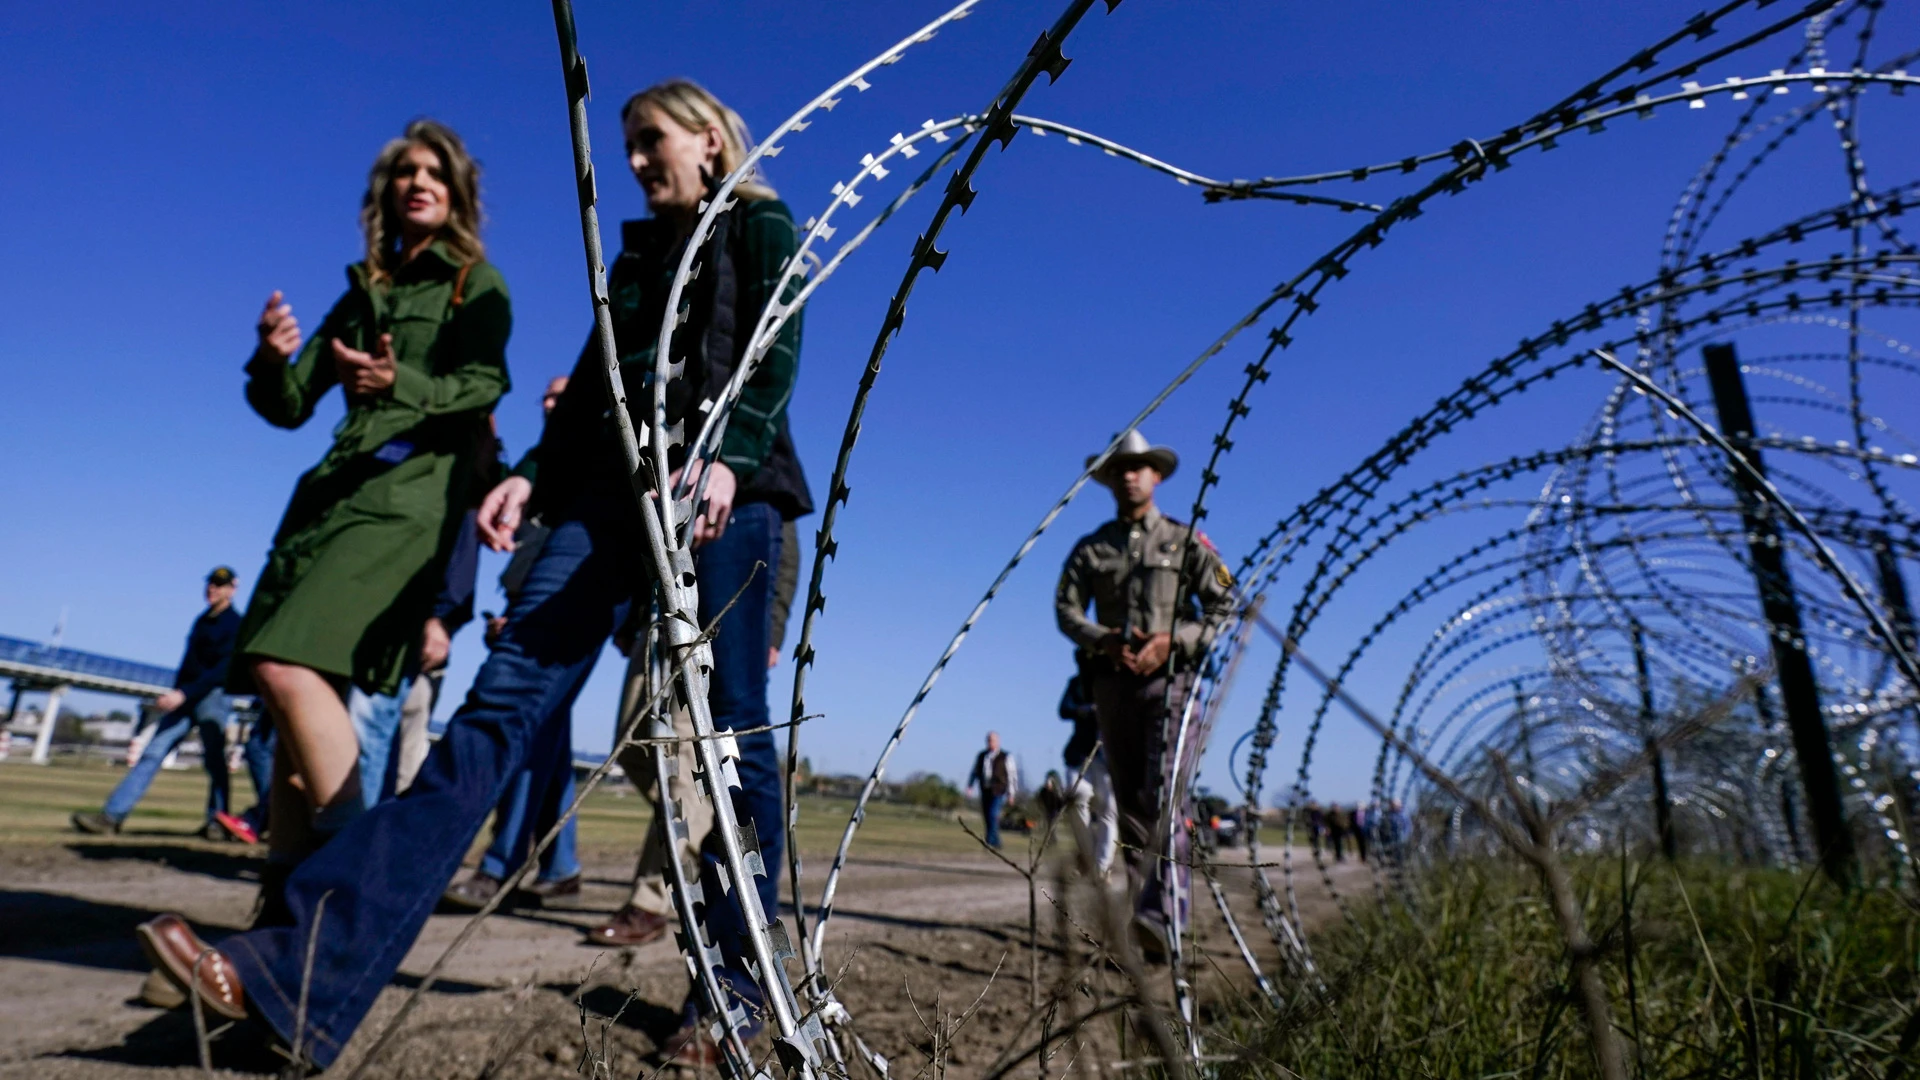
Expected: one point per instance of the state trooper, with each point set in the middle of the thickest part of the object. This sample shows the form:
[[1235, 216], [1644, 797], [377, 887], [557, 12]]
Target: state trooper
[[1159, 592]]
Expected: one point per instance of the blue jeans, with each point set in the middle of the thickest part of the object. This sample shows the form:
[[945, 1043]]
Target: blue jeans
[[375, 884], [991, 805], [376, 722], [257, 752], [515, 831], [210, 715]]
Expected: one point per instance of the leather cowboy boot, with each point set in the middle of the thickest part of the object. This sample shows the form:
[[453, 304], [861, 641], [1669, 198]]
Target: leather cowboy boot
[[192, 965]]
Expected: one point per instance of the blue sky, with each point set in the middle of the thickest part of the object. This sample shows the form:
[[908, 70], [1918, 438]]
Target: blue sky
[[169, 167]]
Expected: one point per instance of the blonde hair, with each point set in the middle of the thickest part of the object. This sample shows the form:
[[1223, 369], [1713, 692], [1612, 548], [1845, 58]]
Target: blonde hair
[[380, 219], [695, 109]]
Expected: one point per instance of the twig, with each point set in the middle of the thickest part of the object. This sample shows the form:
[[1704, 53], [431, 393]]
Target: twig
[[306, 976], [199, 1017], [1585, 976]]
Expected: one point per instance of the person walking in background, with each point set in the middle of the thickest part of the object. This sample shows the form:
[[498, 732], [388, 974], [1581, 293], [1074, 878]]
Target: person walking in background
[[1396, 829], [1156, 587], [1092, 790], [1362, 822], [198, 700], [1316, 826], [1339, 824], [256, 752], [376, 885], [417, 346], [452, 610], [996, 777]]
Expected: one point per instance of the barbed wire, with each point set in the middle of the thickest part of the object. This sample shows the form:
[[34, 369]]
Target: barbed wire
[[1641, 528]]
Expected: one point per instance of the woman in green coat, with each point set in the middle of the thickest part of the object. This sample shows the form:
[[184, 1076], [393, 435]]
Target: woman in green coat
[[417, 346]]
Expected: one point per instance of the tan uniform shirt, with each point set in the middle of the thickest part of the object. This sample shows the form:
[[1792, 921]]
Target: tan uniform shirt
[[1134, 573]]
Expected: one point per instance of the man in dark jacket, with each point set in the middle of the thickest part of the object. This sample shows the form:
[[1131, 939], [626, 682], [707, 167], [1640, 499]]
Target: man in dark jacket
[[198, 699]]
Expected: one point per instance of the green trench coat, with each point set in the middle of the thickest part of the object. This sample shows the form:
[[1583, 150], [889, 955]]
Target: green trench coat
[[362, 548]]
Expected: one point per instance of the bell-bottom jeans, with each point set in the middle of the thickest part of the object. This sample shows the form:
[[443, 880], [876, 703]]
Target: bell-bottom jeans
[[371, 888]]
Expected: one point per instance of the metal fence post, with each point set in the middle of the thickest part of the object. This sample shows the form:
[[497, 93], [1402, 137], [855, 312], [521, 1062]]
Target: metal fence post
[[1799, 693], [1662, 805]]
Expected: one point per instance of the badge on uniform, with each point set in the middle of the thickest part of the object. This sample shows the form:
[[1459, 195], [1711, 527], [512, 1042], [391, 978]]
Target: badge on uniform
[[1222, 575], [394, 452]]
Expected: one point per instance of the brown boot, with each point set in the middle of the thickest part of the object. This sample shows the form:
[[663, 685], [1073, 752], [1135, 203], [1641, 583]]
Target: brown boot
[[629, 926], [192, 965], [549, 890], [473, 893]]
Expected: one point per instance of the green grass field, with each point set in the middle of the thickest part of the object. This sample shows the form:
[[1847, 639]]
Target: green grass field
[[1713, 970], [36, 800]]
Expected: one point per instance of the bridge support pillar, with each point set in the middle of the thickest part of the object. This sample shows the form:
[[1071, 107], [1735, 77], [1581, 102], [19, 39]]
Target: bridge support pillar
[[43, 741], [6, 730]]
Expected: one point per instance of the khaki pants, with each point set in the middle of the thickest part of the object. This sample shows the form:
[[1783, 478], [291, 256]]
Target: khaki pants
[[1092, 799], [650, 892], [410, 744]]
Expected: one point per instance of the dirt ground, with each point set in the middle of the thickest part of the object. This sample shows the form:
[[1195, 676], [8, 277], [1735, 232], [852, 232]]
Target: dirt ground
[[917, 938]]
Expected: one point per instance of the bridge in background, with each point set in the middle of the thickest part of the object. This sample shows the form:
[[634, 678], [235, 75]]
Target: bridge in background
[[32, 666]]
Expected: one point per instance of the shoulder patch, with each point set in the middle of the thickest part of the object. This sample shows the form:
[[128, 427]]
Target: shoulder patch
[[1222, 575], [1201, 536]]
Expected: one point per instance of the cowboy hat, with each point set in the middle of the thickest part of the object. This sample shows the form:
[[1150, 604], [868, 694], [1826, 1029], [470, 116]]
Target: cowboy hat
[[1134, 448]]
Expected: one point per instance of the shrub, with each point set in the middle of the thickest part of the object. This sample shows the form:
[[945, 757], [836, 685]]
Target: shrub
[[930, 790]]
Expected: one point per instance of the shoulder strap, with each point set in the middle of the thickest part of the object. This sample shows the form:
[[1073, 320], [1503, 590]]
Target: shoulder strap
[[460, 284]]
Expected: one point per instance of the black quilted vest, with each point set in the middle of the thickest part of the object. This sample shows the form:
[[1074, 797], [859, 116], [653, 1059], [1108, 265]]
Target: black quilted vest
[[706, 352]]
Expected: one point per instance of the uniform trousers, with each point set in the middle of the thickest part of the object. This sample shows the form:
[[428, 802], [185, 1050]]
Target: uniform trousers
[[370, 890], [1136, 730]]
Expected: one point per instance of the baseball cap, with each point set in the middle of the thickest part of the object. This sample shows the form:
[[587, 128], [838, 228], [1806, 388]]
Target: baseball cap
[[221, 575]]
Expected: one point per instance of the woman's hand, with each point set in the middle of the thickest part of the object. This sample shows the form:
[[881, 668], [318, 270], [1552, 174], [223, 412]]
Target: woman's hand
[[365, 375], [499, 516], [713, 514], [279, 331]]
